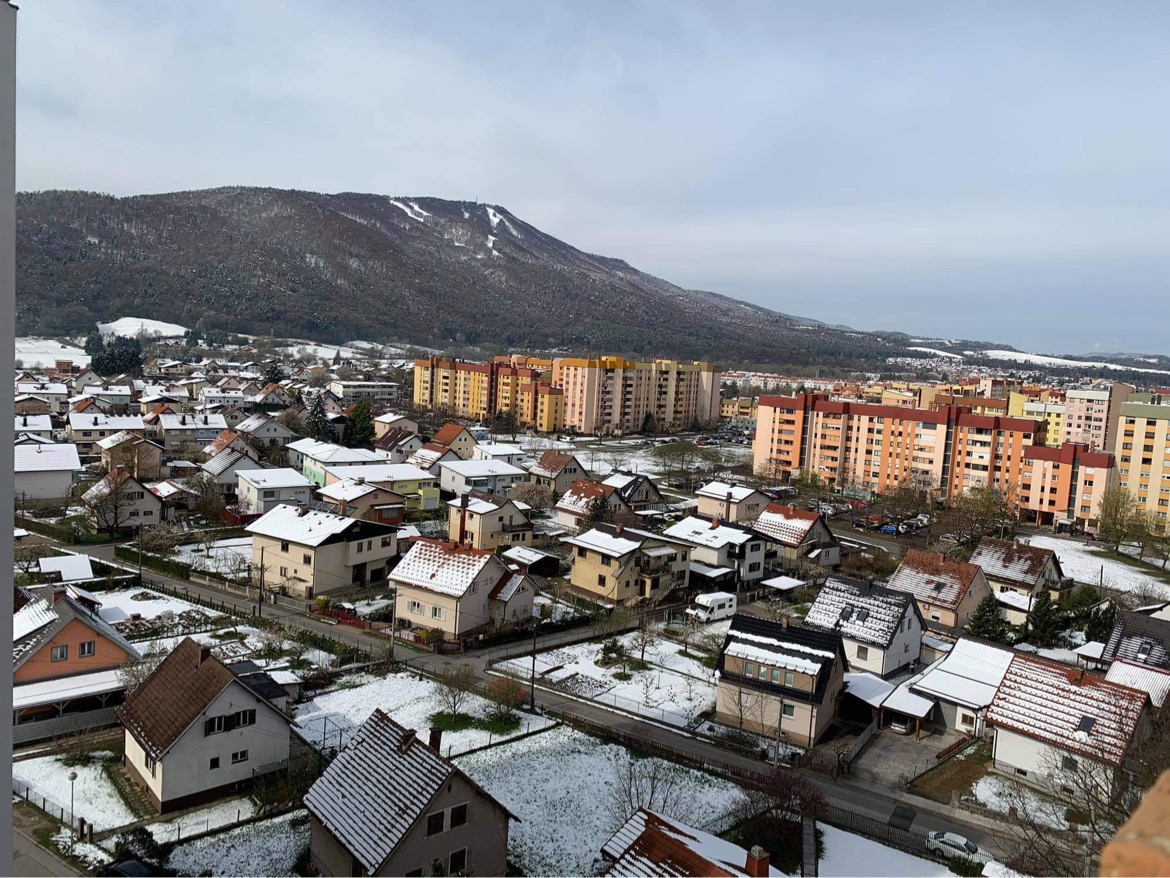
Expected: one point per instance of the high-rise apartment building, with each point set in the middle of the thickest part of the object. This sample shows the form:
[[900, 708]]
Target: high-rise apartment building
[[1090, 416], [1064, 486], [1143, 456]]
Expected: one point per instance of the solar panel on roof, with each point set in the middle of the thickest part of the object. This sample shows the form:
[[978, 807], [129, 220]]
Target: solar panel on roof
[[1086, 724]]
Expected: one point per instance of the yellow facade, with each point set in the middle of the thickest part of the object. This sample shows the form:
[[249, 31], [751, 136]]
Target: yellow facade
[[1143, 458]]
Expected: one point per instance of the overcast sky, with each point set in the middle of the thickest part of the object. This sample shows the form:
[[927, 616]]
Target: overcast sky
[[956, 169]]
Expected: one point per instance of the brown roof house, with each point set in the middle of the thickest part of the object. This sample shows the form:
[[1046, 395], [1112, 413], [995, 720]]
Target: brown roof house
[[1018, 567], [397, 444], [798, 535], [389, 804], [649, 845], [556, 470], [119, 502], [457, 438], [577, 503], [947, 591], [195, 730]]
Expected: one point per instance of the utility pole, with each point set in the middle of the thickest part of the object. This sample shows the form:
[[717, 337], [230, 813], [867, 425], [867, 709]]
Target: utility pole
[[393, 622], [260, 606], [140, 553], [532, 680]]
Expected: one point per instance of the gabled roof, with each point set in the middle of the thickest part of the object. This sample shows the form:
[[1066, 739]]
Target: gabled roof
[[39, 458], [1139, 638], [1155, 682], [393, 437], [175, 695], [1068, 709], [710, 532], [225, 460], [1009, 561], [348, 490], [430, 454], [802, 650], [934, 578], [192, 422], [168, 488], [378, 787], [90, 420], [449, 434], [582, 494], [552, 463], [628, 483], [441, 567], [482, 502], [33, 422], [968, 674], [861, 610], [278, 477], [308, 527], [471, 469], [105, 486], [617, 541], [720, 490], [786, 525], [39, 620], [649, 845], [381, 472], [220, 442]]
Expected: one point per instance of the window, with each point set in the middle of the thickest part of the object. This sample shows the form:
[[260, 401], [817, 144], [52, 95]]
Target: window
[[60, 653], [862, 653], [225, 723], [151, 766], [239, 756], [387, 541], [435, 823], [284, 546], [754, 567], [601, 579], [458, 815], [1068, 764], [789, 711], [966, 719], [214, 764], [749, 669], [268, 495], [458, 862], [359, 547], [87, 649], [788, 678], [775, 675], [416, 607], [1021, 772], [284, 571], [307, 559], [763, 673], [437, 613]]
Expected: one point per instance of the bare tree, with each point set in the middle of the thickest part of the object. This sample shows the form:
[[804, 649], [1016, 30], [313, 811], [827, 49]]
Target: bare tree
[[132, 674], [687, 633], [786, 794], [654, 784], [162, 539], [744, 703], [646, 636], [109, 511], [504, 696], [27, 556], [452, 685], [537, 496]]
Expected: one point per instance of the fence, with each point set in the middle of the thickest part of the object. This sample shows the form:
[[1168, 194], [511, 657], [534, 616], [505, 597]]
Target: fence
[[185, 594], [167, 567], [54, 809], [577, 635], [68, 724], [909, 840], [857, 746]]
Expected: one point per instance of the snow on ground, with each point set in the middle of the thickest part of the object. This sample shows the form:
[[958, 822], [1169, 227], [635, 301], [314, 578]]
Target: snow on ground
[[996, 794], [269, 847], [1042, 360], [365, 608], [413, 210], [847, 854], [1078, 561], [333, 717], [129, 327], [223, 556], [90, 854], [628, 455], [42, 353], [215, 816], [94, 796], [557, 611], [118, 606], [937, 353], [560, 784]]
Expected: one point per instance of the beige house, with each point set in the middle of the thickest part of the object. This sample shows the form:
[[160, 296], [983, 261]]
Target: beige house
[[488, 521], [457, 438], [458, 589], [389, 421], [557, 471], [389, 804], [577, 504], [141, 457], [797, 535], [947, 591], [771, 673], [617, 564], [730, 502], [370, 501], [309, 553]]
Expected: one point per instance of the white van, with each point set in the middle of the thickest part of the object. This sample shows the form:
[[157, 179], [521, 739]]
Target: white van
[[712, 607]]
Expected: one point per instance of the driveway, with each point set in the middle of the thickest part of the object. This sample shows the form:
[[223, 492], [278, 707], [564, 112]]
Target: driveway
[[889, 758]]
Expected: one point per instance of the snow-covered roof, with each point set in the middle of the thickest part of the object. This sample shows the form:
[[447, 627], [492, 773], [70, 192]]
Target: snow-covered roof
[[969, 674], [65, 688], [786, 525], [582, 494], [73, 568], [784, 583], [381, 472], [427, 456], [860, 610], [445, 568], [91, 420], [347, 490], [41, 458], [33, 616], [933, 578], [551, 463], [1015, 600], [1068, 709], [479, 504], [328, 454], [253, 422], [794, 648], [720, 490], [497, 449], [649, 845], [1139, 638], [1153, 681], [391, 418], [1009, 561], [192, 422], [611, 541], [470, 469], [33, 423], [710, 572], [903, 700], [116, 439], [712, 533], [527, 555], [619, 479], [166, 489], [280, 477], [296, 524], [871, 689]]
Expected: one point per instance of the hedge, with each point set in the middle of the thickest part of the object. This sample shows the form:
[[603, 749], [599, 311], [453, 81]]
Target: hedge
[[154, 562]]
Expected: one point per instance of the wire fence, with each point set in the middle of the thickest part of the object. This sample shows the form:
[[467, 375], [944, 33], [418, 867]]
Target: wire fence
[[53, 808]]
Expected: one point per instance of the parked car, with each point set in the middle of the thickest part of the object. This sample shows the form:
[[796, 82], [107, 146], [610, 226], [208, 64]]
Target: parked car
[[902, 726], [951, 844], [857, 504], [889, 529]]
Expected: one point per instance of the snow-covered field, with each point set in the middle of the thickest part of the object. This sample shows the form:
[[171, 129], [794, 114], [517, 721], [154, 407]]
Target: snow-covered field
[[1042, 360], [129, 327], [938, 353], [334, 716], [215, 816], [560, 784], [94, 797], [268, 847], [606, 457], [674, 690], [1078, 561], [119, 605], [225, 557], [42, 353], [999, 794], [847, 855]]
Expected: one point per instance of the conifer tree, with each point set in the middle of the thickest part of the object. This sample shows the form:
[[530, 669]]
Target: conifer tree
[[987, 623]]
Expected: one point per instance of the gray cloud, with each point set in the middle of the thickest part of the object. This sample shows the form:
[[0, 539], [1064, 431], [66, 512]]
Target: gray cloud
[[987, 170]]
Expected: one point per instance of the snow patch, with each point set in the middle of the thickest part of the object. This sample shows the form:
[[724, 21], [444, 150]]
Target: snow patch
[[129, 327], [43, 353], [1042, 360], [412, 210], [937, 352]]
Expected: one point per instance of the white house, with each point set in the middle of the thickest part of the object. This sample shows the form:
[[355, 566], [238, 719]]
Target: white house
[[40, 426], [196, 731], [44, 472], [721, 548], [259, 490], [489, 476], [730, 502], [397, 444], [86, 428], [265, 430], [120, 502], [226, 466], [500, 451], [881, 628], [176, 431], [55, 394]]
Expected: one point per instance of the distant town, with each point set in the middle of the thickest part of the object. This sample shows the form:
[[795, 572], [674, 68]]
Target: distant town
[[288, 607]]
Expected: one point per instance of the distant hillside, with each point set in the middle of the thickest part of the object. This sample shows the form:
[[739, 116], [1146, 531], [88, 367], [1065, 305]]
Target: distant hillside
[[420, 270]]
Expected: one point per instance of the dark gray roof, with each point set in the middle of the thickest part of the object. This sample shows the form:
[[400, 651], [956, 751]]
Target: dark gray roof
[[1140, 639], [787, 643]]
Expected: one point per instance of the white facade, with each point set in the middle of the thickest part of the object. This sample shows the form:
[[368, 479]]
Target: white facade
[[1022, 756], [906, 647], [489, 476], [375, 391], [261, 490]]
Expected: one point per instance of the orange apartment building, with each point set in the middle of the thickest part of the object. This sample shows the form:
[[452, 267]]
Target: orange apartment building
[[480, 390], [1064, 486]]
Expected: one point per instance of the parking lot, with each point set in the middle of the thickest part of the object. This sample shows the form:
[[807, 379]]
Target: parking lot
[[888, 759]]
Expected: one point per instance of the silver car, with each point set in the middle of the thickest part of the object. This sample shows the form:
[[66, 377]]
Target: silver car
[[950, 844]]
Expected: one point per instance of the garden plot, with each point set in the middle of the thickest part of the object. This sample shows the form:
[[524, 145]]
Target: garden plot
[[223, 557], [238, 642], [120, 607], [268, 847], [1079, 561], [669, 695], [94, 796], [330, 719], [89, 854], [560, 784]]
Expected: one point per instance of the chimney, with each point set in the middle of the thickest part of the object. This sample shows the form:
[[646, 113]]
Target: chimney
[[407, 740], [25, 421], [58, 593], [95, 420], [436, 739], [617, 528], [204, 654], [757, 862], [302, 511], [205, 419], [183, 420], [462, 519], [729, 502], [784, 621], [1077, 676]]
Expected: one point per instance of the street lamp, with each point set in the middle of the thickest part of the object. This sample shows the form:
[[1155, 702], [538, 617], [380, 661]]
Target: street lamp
[[72, 823]]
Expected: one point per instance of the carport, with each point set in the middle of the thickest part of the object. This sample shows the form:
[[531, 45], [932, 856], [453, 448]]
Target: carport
[[904, 702]]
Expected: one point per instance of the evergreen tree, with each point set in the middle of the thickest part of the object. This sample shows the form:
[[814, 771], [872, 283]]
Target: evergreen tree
[[1100, 624], [317, 424], [122, 356], [987, 623], [273, 374], [361, 428], [94, 344], [1045, 622]]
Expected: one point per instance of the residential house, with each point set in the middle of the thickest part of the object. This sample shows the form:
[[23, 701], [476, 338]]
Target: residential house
[[313, 458], [390, 804], [431, 456], [86, 428], [44, 471], [487, 521], [226, 467], [947, 591], [650, 845], [310, 553], [1139, 638], [881, 628], [577, 504], [226, 397], [490, 476], [260, 490], [389, 421], [234, 441], [722, 552], [730, 502], [141, 456], [265, 431], [378, 393], [397, 444], [177, 431], [417, 486], [1049, 718], [457, 438], [271, 396], [640, 494], [53, 393], [619, 564], [196, 731], [557, 471], [119, 502], [176, 497], [798, 536], [1018, 567], [779, 680], [956, 690], [1155, 682], [500, 451], [458, 589], [371, 501], [40, 426], [27, 404]]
